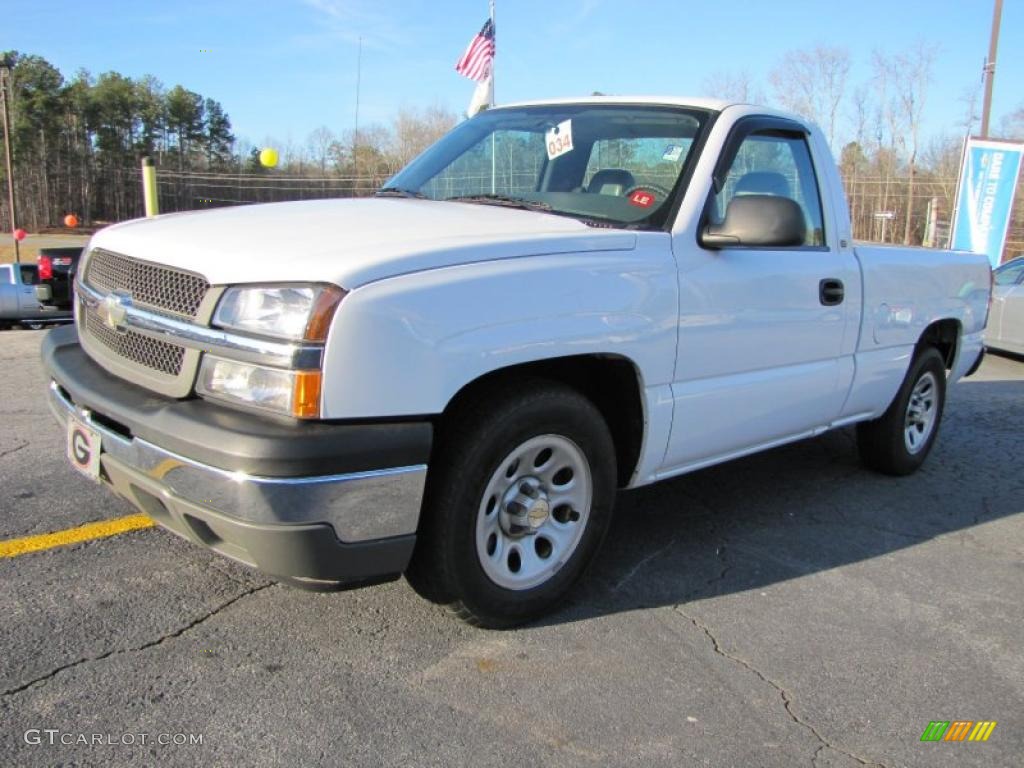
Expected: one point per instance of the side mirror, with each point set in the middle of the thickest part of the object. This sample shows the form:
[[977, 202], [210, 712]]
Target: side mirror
[[762, 221]]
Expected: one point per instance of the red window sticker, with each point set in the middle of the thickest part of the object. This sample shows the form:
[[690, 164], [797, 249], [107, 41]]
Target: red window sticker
[[642, 198]]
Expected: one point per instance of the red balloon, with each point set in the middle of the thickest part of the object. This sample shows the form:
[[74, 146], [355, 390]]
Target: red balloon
[[20, 234], [71, 220]]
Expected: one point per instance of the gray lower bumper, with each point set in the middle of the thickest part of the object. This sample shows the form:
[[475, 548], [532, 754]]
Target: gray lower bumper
[[359, 506], [306, 555]]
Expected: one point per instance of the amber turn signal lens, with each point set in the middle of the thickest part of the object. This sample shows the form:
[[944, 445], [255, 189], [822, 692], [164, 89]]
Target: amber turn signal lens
[[323, 312], [306, 394]]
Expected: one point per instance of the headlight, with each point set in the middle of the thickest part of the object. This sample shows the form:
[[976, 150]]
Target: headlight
[[298, 312], [292, 393]]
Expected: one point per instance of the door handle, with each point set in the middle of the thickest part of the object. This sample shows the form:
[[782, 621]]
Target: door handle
[[831, 292]]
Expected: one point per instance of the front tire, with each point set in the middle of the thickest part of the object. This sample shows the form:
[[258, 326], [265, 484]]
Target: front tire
[[899, 441], [519, 498]]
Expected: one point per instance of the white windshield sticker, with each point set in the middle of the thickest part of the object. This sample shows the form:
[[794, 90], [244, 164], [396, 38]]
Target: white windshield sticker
[[559, 139], [672, 153]]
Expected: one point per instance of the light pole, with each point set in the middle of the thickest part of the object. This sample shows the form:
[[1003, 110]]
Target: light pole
[[990, 67], [5, 80], [355, 133]]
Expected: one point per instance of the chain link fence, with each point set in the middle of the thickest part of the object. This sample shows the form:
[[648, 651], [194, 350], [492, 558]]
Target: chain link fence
[[878, 205]]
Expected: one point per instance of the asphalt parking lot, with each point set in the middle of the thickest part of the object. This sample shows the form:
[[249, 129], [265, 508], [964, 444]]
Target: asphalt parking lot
[[787, 609]]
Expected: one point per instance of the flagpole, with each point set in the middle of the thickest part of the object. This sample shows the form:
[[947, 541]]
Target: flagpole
[[494, 60], [355, 134], [494, 149]]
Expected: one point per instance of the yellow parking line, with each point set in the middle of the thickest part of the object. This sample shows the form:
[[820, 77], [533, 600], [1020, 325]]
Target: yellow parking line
[[87, 532]]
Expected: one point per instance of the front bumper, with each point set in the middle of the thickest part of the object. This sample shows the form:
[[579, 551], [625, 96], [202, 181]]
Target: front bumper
[[321, 504]]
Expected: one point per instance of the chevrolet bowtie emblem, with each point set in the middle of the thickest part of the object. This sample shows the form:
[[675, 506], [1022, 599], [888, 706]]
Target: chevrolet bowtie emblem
[[113, 309]]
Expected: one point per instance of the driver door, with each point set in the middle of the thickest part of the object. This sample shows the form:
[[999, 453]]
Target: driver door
[[760, 353]]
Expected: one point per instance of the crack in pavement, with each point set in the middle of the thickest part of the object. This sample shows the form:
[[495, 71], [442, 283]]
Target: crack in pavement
[[15, 449], [145, 646], [636, 568], [817, 753], [787, 699]]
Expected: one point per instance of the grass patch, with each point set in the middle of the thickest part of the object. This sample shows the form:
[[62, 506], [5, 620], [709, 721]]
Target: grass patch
[[30, 245]]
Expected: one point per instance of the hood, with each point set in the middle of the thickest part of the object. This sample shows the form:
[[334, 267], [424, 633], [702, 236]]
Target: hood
[[348, 242]]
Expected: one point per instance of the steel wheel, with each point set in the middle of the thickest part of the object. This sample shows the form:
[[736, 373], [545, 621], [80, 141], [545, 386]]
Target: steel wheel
[[899, 440], [518, 500], [922, 408], [533, 512]]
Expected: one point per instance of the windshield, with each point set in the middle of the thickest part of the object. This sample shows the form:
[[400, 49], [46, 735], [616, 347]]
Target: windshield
[[620, 165]]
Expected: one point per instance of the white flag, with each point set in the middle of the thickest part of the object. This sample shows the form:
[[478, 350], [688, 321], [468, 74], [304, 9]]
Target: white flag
[[483, 96]]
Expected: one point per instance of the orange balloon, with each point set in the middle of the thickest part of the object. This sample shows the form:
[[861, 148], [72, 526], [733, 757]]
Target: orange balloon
[[71, 220], [20, 234]]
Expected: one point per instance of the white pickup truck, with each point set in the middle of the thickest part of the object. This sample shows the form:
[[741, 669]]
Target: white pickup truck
[[451, 380]]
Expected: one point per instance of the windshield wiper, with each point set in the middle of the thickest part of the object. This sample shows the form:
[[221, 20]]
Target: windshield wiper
[[502, 200], [399, 192]]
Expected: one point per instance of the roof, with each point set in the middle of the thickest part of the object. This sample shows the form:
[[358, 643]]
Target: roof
[[674, 101], [715, 105]]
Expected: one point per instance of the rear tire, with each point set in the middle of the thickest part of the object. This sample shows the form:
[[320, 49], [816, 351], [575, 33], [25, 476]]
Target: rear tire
[[519, 497], [898, 442]]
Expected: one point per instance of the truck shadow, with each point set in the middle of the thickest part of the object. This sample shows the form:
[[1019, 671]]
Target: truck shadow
[[805, 508]]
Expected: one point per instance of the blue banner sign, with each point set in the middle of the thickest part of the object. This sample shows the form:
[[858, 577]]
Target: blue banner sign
[[984, 201]]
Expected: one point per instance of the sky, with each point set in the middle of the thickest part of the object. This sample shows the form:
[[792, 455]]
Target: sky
[[283, 68]]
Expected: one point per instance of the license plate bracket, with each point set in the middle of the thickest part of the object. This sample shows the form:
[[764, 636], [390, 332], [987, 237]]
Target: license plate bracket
[[84, 446]]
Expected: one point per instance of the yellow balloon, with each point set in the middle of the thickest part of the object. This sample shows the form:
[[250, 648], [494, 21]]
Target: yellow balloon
[[268, 157]]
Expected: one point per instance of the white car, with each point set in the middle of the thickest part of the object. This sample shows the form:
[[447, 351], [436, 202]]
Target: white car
[[1006, 323], [452, 379]]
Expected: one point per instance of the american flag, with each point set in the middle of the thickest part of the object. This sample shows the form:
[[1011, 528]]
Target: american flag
[[479, 56]]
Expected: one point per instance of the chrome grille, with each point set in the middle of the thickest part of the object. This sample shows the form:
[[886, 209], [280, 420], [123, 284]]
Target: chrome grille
[[151, 353], [159, 287]]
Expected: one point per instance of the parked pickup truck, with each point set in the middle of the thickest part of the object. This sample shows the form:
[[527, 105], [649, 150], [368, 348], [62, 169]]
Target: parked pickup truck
[[451, 380], [18, 302], [57, 268]]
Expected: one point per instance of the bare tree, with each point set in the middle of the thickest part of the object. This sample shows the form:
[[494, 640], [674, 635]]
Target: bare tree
[[940, 159], [854, 159], [739, 85], [1012, 125], [860, 114], [910, 74], [364, 158], [889, 134], [969, 98], [413, 130], [318, 147], [812, 83], [290, 156]]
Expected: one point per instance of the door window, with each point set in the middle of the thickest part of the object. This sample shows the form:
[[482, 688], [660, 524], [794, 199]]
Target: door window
[[770, 163]]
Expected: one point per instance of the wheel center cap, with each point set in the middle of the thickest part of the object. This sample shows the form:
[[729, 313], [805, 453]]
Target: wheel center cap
[[525, 507], [538, 513]]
